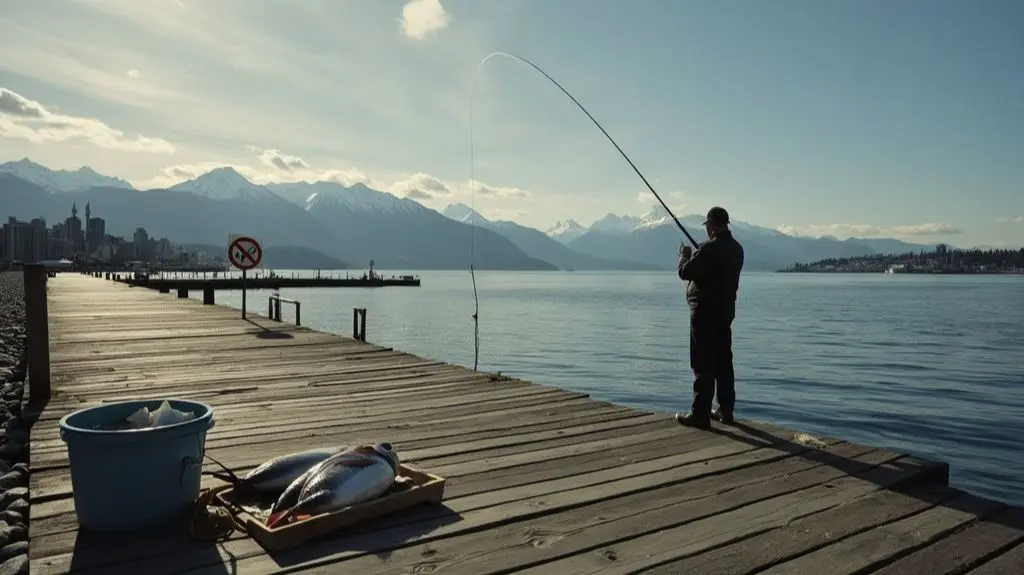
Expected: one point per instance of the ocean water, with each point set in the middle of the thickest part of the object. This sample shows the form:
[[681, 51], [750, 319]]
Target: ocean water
[[928, 365]]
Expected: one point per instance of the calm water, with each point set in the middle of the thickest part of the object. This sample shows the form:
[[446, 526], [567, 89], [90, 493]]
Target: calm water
[[932, 366]]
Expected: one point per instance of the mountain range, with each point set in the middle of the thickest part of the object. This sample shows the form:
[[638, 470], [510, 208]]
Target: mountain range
[[356, 223]]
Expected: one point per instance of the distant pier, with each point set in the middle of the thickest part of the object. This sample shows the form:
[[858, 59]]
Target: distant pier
[[235, 283]]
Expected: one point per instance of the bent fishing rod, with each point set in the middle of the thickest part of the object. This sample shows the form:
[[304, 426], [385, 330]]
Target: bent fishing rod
[[596, 123], [472, 169]]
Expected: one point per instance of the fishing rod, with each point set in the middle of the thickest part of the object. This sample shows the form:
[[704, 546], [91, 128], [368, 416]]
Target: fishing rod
[[472, 169]]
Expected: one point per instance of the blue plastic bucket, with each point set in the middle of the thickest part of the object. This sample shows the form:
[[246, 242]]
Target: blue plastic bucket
[[133, 478]]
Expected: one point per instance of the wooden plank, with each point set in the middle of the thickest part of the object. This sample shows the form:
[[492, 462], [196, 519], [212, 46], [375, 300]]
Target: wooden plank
[[646, 551], [880, 546], [467, 478], [56, 482], [524, 499], [564, 533], [809, 533], [1009, 563], [982, 541], [139, 547], [496, 513]]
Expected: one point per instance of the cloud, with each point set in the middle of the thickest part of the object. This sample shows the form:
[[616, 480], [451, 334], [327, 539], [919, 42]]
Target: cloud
[[272, 166], [25, 119], [421, 187], [420, 18], [133, 73], [868, 230], [486, 190], [1005, 220]]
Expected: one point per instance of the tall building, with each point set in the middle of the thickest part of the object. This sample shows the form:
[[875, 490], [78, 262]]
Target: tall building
[[95, 231], [24, 241], [73, 228]]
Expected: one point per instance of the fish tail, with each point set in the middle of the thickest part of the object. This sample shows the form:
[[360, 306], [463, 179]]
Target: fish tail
[[227, 476]]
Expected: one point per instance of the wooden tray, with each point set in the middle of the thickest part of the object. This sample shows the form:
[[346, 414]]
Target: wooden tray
[[427, 488]]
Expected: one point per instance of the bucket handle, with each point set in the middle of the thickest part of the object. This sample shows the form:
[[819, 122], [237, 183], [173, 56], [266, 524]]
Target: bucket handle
[[187, 462]]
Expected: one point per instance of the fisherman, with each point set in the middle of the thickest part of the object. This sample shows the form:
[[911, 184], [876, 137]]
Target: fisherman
[[713, 273]]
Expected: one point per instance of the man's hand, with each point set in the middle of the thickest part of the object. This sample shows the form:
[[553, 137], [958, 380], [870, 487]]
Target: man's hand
[[685, 252]]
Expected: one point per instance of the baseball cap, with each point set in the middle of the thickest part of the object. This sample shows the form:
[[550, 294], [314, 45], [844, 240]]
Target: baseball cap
[[717, 215]]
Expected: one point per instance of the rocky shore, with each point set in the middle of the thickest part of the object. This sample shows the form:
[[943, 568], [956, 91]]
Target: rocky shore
[[14, 471]]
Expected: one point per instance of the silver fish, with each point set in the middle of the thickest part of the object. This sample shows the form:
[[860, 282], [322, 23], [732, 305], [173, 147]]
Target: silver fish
[[354, 476], [290, 496], [278, 473]]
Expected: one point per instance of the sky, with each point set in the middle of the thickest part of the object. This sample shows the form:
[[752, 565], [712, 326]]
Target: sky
[[845, 118]]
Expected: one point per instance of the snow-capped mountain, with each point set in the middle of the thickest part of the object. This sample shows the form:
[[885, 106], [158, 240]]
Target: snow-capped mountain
[[55, 181], [226, 184], [462, 213], [331, 195], [614, 224], [566, 231]]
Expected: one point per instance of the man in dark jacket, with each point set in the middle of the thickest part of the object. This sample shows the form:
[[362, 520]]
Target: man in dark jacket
[[713, 273]]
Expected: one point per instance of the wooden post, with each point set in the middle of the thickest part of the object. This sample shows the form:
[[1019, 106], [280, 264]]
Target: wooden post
[[208, 295], [298, 314], [243, 294], [277, 308], [362, 324], [355, 323], [37, 332], [182, 293], [270, 307]]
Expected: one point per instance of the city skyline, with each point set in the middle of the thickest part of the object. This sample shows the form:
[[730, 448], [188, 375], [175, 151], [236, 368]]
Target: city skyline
[[33, 241], [851, 117]]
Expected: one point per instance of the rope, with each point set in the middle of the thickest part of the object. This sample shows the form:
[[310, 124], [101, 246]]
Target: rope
[[212, 519]]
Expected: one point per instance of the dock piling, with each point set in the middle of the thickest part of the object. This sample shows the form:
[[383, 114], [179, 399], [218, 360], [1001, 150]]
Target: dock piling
[[359, 323], [37, 334]]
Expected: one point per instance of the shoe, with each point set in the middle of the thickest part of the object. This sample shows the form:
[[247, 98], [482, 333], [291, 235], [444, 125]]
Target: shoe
[[692, 420], [724, 417]]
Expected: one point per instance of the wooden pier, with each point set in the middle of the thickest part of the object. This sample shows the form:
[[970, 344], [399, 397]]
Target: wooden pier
[[541, 480], [235, 283]]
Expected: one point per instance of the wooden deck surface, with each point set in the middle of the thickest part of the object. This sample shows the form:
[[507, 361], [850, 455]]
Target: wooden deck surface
[[541, 480]]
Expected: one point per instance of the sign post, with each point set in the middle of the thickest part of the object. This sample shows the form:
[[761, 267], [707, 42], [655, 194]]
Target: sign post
[[244, 253]]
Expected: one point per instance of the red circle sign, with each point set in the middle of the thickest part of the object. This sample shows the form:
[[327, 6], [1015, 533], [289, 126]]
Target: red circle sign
[[245, 253]]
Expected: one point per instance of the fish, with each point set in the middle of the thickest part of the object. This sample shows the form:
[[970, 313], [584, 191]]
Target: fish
[[356, 475], [277, 474]]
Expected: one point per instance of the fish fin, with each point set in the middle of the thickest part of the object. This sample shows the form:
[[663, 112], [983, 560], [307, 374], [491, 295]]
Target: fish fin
[[226, 478], [355, 462]]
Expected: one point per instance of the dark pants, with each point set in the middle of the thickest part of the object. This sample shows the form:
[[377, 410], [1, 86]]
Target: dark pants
[[711, 362]]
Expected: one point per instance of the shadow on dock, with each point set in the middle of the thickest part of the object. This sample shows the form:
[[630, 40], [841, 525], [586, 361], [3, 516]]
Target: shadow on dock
[[925, 480], [267, 333]]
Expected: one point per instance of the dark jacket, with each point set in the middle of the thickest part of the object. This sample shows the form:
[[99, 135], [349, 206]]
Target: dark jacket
[[714, 275]]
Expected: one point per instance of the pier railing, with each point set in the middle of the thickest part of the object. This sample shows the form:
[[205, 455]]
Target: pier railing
[[274, 308]]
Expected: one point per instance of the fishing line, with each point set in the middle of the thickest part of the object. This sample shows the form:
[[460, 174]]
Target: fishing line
[[472, 182]]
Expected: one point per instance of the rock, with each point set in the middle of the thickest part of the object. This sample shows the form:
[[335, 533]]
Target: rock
[[13, 479], [12, 549], [20, 468], [12, 495], [6, 533], [13, 516], [19, 506], [17, 565]]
